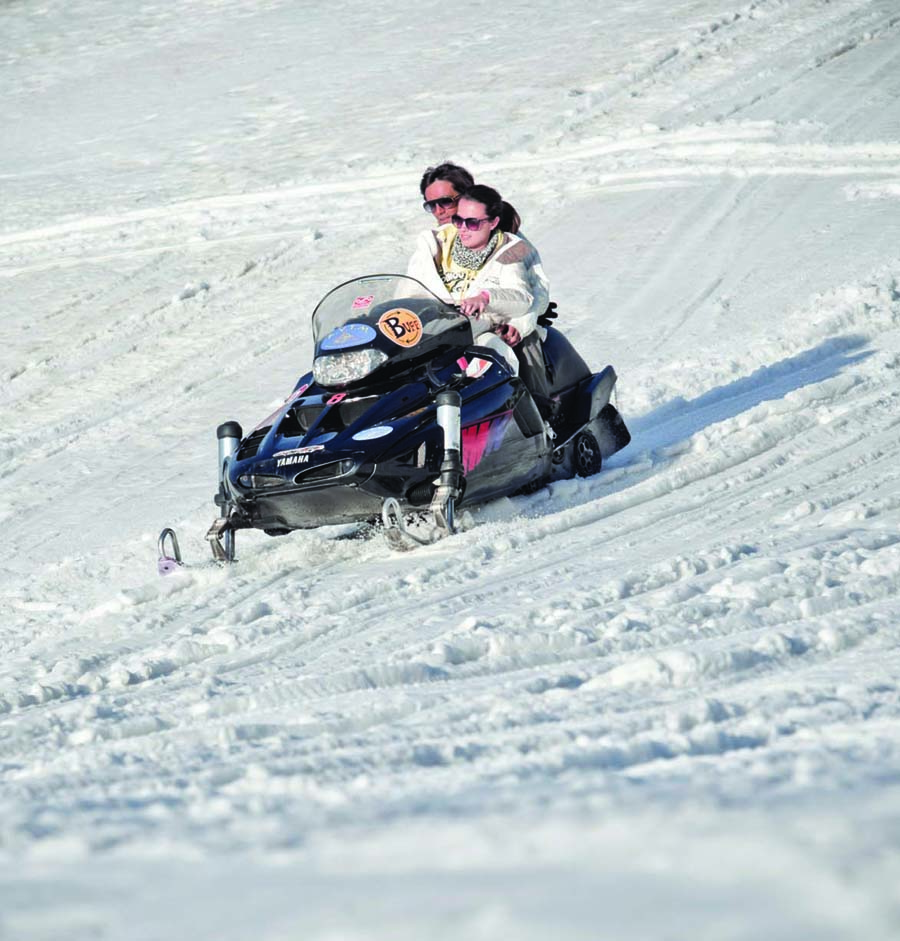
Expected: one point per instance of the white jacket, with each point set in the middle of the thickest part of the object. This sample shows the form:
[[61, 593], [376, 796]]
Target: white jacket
[[512, 276]]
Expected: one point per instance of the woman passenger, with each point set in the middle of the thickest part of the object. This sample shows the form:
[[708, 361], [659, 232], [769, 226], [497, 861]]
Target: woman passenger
[[478, 263]]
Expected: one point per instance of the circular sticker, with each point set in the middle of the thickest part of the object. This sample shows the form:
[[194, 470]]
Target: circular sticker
[[402, 326], [367, 434], [350, 334]]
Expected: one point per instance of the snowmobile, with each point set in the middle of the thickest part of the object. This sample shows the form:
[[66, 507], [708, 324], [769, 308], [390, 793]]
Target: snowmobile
[[405, 420]]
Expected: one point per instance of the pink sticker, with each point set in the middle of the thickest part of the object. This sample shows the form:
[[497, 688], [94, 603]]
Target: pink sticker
[[483, 438], [268, 420], [337, 397], [364, 300], [478, 367]]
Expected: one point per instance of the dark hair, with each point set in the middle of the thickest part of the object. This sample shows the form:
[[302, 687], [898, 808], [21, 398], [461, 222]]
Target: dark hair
[[494, 205], [451, 172]]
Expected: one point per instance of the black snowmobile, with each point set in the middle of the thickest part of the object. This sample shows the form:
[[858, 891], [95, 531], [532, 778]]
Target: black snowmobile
[[405, 418]]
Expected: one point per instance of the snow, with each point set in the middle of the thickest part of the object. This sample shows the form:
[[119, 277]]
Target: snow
[[658, 703]]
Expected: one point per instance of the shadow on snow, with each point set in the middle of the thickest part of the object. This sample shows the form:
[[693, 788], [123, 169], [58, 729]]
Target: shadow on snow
[[680, 419]]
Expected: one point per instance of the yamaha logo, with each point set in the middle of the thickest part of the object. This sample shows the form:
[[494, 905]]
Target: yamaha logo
[[293, 459]]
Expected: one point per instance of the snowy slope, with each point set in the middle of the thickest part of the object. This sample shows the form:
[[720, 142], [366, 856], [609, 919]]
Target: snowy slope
[[659, 703]]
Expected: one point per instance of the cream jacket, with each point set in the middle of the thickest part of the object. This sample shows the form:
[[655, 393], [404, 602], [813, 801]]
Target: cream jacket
[[512, 276]]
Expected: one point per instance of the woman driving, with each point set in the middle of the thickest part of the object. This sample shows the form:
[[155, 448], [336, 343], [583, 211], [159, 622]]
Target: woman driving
[[478, 263]]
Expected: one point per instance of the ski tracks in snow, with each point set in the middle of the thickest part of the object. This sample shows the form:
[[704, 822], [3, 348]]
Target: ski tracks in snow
[[713, 614], [529, 636], [652, 156]]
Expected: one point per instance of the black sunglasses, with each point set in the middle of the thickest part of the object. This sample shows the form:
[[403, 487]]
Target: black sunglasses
[[473, 225], [443, 202]]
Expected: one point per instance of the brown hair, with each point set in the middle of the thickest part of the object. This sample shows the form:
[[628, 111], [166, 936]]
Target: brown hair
[[494, 205], [451, 172]]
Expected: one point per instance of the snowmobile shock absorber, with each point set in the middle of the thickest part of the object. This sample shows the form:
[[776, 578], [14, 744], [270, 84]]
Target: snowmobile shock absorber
[[229, 435], [221, 534], [448, 418]]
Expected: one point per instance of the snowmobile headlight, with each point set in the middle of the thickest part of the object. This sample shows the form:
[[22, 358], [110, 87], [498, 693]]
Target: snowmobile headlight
[[260, 481], [342, 368]]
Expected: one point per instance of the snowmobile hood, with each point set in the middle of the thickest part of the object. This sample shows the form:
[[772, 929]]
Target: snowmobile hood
[[380, 322]]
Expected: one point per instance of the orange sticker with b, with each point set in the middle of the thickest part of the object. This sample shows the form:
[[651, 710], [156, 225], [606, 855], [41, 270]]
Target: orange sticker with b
[[402, 326]]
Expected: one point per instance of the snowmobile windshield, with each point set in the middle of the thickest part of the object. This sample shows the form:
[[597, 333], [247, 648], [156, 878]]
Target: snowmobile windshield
[[391, 305], [385, 320]]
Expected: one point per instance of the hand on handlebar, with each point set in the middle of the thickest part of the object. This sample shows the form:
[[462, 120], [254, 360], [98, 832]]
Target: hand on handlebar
[[508, 333], [474, 305]]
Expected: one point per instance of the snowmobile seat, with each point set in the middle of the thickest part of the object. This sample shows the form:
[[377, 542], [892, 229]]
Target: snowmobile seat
[[565, 367]]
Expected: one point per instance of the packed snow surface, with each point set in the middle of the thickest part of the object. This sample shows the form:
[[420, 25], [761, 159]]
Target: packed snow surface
[[659, 703]]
